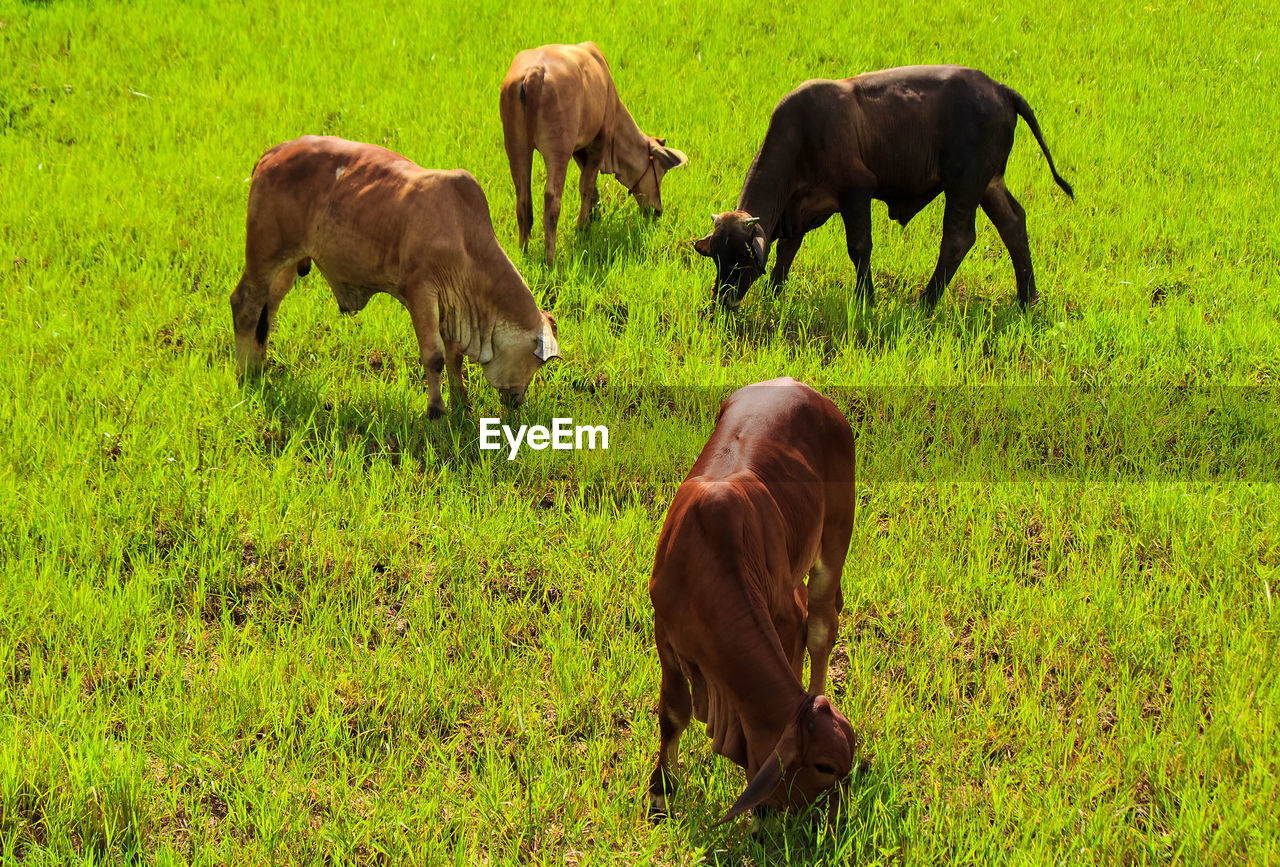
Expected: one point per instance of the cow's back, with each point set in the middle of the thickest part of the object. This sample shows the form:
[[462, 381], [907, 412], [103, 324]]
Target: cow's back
[[784, 431], [753, 506], [913, 120], [577, 94], [368, 216], [311, 169], [892, 128]]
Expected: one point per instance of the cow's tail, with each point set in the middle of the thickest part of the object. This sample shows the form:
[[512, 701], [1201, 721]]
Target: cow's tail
[[531, 98], [1023, 108], [522, 96]]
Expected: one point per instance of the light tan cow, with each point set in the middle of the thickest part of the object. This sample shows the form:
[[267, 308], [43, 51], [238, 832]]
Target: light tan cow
[[561, 101], [373, 221]]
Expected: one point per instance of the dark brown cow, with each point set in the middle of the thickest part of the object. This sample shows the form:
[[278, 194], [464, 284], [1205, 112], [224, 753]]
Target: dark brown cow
[[901, 136], [770, 499], [560, 100], [373, 222]]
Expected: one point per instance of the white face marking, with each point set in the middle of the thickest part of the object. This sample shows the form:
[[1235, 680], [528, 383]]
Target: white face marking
[[337, 176]]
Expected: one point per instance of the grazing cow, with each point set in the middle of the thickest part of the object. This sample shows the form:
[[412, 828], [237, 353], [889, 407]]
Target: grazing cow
[[561, 101], [373, 221], [901, 136], [770, 499]]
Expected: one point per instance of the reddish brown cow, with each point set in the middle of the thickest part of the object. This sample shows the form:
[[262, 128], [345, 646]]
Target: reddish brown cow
[[373, 222], [560, 100], [769, 500]]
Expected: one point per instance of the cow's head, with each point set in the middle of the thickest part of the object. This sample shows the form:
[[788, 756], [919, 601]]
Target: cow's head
[[645, 168], [740, 248], [517, 355], [812, 757]]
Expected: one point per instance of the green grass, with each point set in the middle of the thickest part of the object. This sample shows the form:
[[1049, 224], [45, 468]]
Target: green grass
[[292, 620]]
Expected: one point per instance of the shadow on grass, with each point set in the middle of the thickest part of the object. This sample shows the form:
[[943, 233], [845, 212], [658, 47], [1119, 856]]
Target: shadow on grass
[[615, 235], [871, 826], [834, 316], [394, 429]]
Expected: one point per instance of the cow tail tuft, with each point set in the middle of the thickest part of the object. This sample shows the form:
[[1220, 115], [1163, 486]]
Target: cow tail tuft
[[1023, 108]]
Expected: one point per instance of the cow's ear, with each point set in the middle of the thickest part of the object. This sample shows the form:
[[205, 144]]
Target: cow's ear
[[669, 158], [703, 245], [768, 777], [547, 346]]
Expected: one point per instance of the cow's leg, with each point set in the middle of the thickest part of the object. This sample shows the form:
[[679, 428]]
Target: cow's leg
[[557, 168], [674, 710], [825, 604], [958, 236], [254, 303], [520, 159], [280, 286], [457, 385], [784, 254], [800, 629], [424, 311], [249, 318], [856, 213], [826, 600], [589, 162], [1011, 222]]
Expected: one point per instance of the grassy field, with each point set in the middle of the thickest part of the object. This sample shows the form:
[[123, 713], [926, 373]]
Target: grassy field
[[290, 619]]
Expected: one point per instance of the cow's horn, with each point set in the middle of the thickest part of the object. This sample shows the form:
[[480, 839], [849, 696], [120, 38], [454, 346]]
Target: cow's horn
[[750, 221]]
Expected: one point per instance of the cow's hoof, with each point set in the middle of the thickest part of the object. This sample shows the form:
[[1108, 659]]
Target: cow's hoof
[[435, 411], [657, 808]]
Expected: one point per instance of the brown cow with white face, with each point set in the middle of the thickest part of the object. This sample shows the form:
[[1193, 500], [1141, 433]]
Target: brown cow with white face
[[769, 500], [373, 221], [899, 135], [560, 100]]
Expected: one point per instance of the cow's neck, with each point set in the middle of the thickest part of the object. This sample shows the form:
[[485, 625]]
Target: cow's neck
[[471, 313], [768, 183], [764, 687], [768, 695], [629, 147]]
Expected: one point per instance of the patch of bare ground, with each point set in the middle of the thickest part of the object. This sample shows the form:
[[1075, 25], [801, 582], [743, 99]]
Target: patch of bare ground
[[167, 338]]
